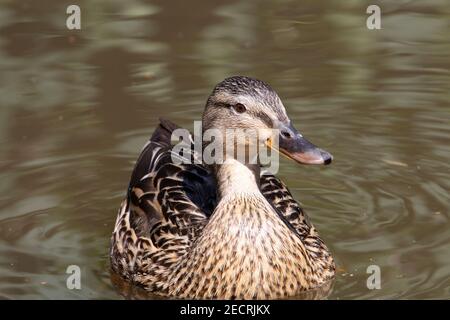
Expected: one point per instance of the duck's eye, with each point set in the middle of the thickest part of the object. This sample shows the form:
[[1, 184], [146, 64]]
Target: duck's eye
[[240, 108]]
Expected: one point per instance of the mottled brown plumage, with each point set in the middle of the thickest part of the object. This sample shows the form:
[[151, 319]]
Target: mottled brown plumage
[[226, 231]]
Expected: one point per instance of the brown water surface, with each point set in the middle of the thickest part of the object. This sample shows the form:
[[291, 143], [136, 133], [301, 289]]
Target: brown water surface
[[77, 106]]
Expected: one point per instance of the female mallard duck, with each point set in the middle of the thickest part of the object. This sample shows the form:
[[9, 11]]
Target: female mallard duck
[[225, 230]]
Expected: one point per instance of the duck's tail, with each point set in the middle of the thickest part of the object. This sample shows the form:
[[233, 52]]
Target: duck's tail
[[163, 132]]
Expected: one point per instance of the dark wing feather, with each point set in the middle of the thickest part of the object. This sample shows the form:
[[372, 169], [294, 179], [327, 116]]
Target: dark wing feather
[[281, 198], [158, 144], [176, 194]]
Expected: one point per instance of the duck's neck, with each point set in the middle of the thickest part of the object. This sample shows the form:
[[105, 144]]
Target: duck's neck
[[236, 178], [245, 250]]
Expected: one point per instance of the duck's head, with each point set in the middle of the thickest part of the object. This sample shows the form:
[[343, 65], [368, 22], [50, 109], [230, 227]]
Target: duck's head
[[244, 103]]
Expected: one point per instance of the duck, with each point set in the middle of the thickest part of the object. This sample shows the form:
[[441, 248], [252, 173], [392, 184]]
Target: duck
[[223, 230]]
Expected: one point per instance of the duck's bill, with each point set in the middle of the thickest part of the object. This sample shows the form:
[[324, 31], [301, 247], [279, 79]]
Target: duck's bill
[[294, 146]]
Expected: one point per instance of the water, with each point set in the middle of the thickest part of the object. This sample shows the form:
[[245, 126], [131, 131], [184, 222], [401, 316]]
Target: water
[[77, 106]]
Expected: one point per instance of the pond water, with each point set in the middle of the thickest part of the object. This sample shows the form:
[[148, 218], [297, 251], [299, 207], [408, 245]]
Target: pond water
[[77, 106]]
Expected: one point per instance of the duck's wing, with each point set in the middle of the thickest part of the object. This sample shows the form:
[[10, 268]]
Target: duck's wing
[[167, 204], [281, 198]]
